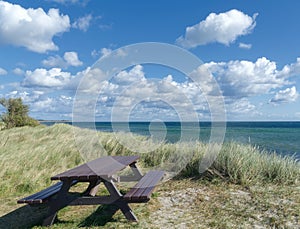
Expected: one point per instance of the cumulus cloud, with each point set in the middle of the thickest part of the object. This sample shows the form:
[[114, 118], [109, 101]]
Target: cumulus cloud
[[69, 59], [285, 96], [72, 59], [47, 78], [245, 46], [245, 78], [240, 81], [131, 89], [291, 69], [18, 71], [55, 61], [68, 2], [223, 28], [240, 106], [136, 74], [33, 29], [102, 52], [2, 72], [65, 1], [83, 23], [107, 51]]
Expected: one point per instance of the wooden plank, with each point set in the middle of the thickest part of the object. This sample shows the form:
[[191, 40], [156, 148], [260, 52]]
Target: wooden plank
[[152, 184], [104, 166], [94, 200], [111, 165], [136, 187], [144, 188], [147, 187], [41, 196]]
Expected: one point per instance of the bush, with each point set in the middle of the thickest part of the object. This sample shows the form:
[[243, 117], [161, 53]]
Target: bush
[[17, 114]]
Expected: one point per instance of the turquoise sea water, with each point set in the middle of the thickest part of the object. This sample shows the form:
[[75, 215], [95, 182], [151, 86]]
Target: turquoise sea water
[[282, 137]]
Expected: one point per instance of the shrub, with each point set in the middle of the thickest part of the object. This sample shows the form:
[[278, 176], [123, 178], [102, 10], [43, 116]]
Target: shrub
[[17, 113]]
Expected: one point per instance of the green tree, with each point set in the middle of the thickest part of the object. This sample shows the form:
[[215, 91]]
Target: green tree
[[17, 113]]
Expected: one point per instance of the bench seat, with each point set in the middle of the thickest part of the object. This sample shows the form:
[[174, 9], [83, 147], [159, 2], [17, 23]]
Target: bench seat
[[43, 196], [141, 192]]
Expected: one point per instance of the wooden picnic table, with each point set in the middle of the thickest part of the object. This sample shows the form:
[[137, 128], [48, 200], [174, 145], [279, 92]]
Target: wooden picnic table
[[102, 170]]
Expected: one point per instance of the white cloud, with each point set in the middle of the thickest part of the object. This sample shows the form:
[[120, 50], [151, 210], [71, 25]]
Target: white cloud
[[240, 106], [47, 78], [103, 52], [2, 71], [69, 59], [107, 51], [31, 28], [163, 97], [245, 46], [106, 26], [285, 96], [154, 97], [55, 61], [72, 59], [18, 71], [224, 28], [291, 69], [83, 23], [136, 74], [65, 1], [95, 53], [46, 104], [246, 78], [68, 2]]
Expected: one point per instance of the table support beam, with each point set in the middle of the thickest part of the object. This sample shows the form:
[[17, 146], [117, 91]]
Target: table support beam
[[137, 174]]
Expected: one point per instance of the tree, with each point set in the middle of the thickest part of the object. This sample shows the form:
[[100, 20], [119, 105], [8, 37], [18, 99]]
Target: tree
[[17, 113]]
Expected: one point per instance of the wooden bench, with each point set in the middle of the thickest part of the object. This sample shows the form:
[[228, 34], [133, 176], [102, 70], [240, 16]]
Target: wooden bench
[[44, 195], [142, 191]]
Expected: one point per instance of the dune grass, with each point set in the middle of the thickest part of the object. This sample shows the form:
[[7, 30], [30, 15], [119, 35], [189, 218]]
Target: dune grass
[[29, 156]]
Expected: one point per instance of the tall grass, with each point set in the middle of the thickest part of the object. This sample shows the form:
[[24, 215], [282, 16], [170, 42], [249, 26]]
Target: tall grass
[[237, 163], [29, 156], [246, 164]]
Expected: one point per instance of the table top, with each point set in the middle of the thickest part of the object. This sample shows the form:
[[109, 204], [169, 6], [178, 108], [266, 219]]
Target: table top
[[103, 167]]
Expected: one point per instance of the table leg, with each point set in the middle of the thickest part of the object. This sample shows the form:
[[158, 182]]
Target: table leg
[[126, 210], [124, 207], [137, 174], [93, 187], [136, 171], [60, 202]]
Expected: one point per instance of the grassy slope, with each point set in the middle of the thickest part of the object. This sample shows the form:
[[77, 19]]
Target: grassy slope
[[29, 156]]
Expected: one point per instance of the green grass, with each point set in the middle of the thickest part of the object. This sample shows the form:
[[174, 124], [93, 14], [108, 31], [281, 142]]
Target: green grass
[[30, 156]]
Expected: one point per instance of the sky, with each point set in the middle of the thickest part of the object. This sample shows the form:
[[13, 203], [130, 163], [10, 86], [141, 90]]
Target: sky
[[250, 48]]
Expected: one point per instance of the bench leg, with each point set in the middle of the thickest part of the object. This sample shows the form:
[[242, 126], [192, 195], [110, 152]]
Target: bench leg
[[60, 202]]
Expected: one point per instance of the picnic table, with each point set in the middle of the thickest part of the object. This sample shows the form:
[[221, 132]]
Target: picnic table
[[102, 170]]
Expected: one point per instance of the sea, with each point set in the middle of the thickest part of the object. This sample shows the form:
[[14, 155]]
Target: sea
[[280, 137]]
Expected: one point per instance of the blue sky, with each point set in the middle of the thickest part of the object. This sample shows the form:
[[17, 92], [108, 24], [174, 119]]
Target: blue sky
[[252, 49]]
